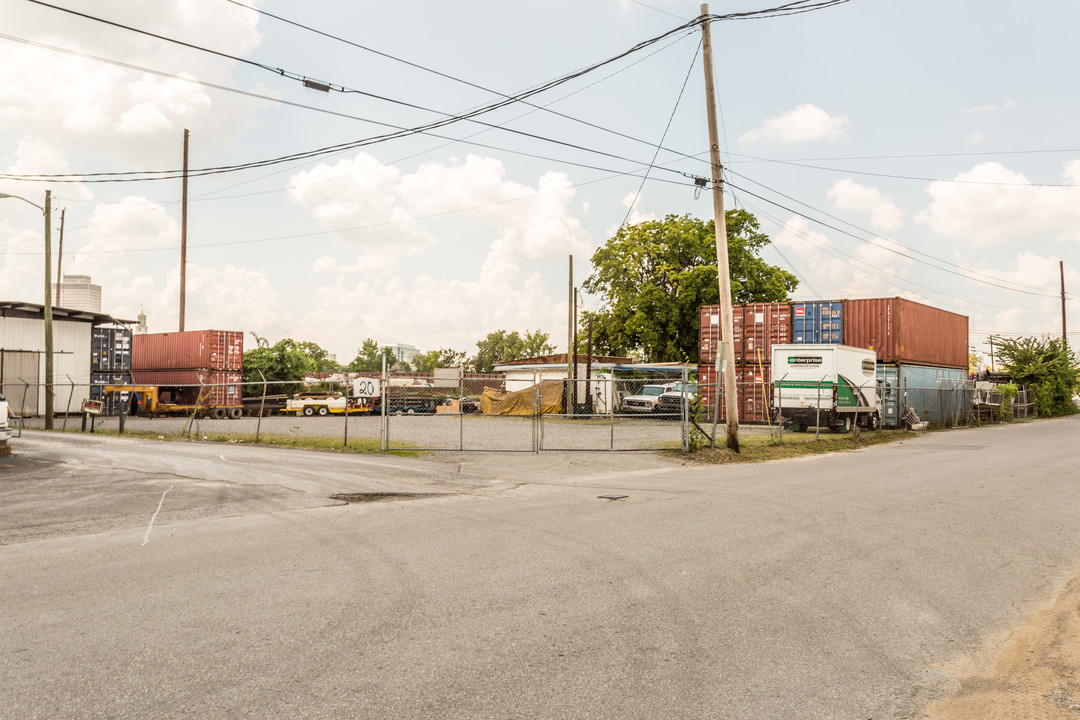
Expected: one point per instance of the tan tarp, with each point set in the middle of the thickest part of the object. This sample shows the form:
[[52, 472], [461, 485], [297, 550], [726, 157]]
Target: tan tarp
[[493, 402]]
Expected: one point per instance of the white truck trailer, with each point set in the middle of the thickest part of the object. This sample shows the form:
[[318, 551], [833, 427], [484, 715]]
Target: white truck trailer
[[833, 386]]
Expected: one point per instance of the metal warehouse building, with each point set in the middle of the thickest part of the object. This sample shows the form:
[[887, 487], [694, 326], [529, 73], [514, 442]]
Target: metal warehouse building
[[22, 355]]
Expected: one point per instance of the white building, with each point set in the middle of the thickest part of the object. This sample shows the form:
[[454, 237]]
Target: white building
[[22, 356], [76, 292]]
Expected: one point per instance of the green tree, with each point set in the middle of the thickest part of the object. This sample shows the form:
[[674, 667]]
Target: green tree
[[369, 357], [1047, 367], [654, 276], [502, 346], [285, 362], [442, 358], [320, 357]]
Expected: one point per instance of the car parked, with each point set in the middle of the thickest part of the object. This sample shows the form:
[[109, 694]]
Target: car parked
[[646, 400], [670, 403], [5, 426]]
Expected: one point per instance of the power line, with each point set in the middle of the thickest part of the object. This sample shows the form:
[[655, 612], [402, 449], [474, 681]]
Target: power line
[[796, 7], [888, 249], [910, 249], [907, 177], [660, 144]]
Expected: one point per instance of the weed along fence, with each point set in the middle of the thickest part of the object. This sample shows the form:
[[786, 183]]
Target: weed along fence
[[384, 413]]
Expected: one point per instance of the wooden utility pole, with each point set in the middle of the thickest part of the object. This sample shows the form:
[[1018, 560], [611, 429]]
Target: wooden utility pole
[[570, 336], [183, 236], [1064, 335], [48, 313], [727, 324], [60, 256]]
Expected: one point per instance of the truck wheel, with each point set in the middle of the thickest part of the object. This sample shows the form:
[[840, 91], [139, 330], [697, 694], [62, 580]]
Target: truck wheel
[[217, 413], [236, 413], [323, 410], [875, 421], [844, 425], [799, 427], [308, 411]]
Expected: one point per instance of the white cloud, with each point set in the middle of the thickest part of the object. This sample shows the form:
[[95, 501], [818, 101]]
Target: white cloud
[[850, 195], [801, 124], [990, 107], [994, 205], [976, 137], [872, 271]]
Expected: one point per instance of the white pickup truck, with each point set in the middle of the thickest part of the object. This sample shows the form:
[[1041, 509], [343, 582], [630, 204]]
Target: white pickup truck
[[646, 401], [5, 426]]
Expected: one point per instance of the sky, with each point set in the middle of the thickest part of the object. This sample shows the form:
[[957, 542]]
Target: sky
[[888, 147]]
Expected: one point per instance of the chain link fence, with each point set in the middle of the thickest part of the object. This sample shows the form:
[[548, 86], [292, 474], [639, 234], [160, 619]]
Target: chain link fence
[[380, 413]]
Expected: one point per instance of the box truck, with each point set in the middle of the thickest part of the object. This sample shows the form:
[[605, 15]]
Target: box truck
[[833, 386]]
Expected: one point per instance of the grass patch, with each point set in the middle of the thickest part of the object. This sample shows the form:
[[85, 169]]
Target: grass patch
[[759, 447]]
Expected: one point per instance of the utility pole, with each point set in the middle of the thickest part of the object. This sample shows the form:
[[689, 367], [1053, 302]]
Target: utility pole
[[569, 336], [183, 236], [727, 323], [1064, 335], [60, 256], [48, 313]]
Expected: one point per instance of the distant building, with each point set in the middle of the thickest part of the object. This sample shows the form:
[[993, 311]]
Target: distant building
[[76, 292], [141, 328], [403, 353]]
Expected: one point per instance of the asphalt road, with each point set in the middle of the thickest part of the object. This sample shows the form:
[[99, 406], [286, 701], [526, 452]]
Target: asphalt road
[[160, 580]]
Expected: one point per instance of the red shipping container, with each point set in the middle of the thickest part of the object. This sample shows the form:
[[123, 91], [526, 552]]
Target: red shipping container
[[184, 386], [191, 350], [904, 331], [754, 392], [755, 329]]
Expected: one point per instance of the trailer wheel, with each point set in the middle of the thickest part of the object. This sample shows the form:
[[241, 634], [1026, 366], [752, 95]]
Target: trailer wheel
[[308, 411], [323, 410], [236, 413], [217, 413]]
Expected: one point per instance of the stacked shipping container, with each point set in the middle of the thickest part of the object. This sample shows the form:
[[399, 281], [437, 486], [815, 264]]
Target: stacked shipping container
[[755, 329], [210, 360], [915, 343], [110, 364]]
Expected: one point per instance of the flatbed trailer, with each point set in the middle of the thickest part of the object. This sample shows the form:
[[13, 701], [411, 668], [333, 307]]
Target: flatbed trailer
[[146, 402]]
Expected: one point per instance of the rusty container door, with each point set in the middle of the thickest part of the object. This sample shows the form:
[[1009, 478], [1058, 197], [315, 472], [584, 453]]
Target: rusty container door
[[209, 350], [904, 331]]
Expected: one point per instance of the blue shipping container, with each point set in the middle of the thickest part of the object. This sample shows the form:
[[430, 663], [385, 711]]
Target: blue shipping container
[[938, 395], [110, 349], [817, 323]]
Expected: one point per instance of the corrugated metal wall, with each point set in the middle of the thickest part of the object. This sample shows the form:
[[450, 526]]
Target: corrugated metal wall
[[904, 331]]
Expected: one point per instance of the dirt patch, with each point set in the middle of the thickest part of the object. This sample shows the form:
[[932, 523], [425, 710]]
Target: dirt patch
[[1034, 673], [379, 496]]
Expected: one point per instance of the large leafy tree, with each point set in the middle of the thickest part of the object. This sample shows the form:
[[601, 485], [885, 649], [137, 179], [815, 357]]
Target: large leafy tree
[[369, 357], [442, 358], [654, 276], [502, 346], [1048, 367], [285, 364]]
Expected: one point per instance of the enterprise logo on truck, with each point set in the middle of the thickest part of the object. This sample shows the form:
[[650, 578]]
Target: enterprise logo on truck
[[804, 360]]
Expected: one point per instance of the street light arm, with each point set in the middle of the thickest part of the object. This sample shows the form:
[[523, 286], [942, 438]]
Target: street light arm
[[19, 197]]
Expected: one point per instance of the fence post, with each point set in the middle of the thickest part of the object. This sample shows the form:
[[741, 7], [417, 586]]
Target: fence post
[[384, 426], [26, 389], [195, 412], [613, 394], [262, 407], [685, 420], [817, 421], [345, 442], [67, 410], [461, 408]]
